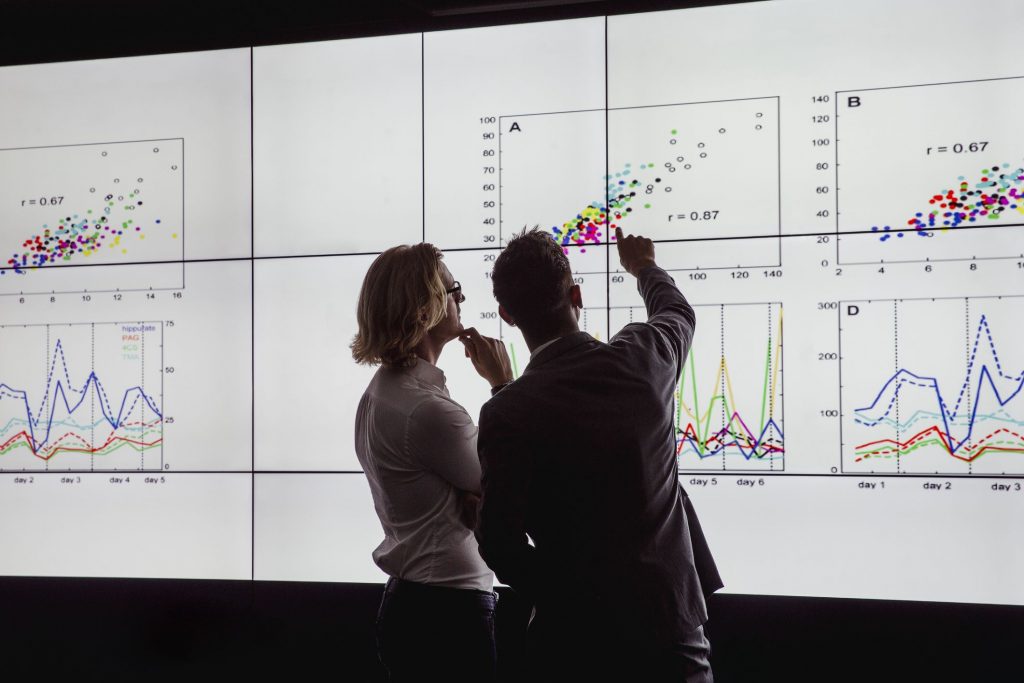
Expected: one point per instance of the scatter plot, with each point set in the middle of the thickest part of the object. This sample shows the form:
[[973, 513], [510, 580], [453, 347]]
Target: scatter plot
[[666, 172], [920, 190], [91, 204], [996, 192]]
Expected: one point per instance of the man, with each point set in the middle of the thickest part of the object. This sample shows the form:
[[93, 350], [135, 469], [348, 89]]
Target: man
[[578, 456]]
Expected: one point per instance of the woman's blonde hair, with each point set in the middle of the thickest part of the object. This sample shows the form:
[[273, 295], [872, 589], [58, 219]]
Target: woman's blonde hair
[[402, 297]]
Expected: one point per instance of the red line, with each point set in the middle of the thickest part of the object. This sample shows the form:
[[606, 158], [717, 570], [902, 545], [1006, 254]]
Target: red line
[[980, 445], [58, 448]]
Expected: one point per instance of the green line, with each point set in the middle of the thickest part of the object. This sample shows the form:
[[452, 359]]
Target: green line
[[515, 366], [693, 380], [730, 430], [106, 451], [135, 432], [679, 397], [867, 453], [764, 389]]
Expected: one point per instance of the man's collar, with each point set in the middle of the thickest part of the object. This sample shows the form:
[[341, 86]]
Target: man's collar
[[549, 342], [549, 351]]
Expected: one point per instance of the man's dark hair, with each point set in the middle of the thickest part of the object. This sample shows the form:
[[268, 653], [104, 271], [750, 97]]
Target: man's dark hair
[[531, 278]]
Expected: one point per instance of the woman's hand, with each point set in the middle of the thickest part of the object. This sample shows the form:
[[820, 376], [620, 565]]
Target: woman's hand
[[488, 355]]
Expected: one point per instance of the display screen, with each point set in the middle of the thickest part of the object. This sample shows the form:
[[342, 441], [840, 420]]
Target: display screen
[[836, 187]]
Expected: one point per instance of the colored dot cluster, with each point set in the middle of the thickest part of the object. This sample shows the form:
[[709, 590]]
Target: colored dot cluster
[[586, 227], [997, 191], [78, 236]]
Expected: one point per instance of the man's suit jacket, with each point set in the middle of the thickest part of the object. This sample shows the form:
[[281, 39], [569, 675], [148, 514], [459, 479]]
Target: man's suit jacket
[[579, 454]]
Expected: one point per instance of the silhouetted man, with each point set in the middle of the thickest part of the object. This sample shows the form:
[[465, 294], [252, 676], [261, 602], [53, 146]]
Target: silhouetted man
[[578, 457]]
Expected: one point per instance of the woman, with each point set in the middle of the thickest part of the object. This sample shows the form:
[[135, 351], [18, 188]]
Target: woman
[[418, 449]]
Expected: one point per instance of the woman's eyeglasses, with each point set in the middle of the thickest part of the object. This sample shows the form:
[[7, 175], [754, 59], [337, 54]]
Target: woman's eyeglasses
[[456, 289]]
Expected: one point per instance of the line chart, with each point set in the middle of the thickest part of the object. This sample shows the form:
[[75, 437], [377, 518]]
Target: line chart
[[951, 404], [728, 402], [99, 405]]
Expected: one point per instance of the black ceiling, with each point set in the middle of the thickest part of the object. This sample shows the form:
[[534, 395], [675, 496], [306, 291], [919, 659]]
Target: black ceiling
[[57, 30]]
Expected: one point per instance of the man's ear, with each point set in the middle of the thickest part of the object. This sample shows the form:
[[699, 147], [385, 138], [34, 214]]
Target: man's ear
[[576, 296], [505, 316]]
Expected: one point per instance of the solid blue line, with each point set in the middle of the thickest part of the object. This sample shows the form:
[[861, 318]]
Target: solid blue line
[[983, 375], [59, 390]]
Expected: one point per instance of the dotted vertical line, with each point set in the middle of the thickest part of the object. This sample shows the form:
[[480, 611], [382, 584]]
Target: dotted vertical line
[[142, 388], [769, 434], [896, 361], [92, 396], [721, 379], [967, 355]]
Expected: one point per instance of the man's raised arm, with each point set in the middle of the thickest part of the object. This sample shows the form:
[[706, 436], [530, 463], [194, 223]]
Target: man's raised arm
[[668, 311]]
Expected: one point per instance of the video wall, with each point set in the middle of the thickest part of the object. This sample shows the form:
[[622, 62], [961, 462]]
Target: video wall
[[836, 187]]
